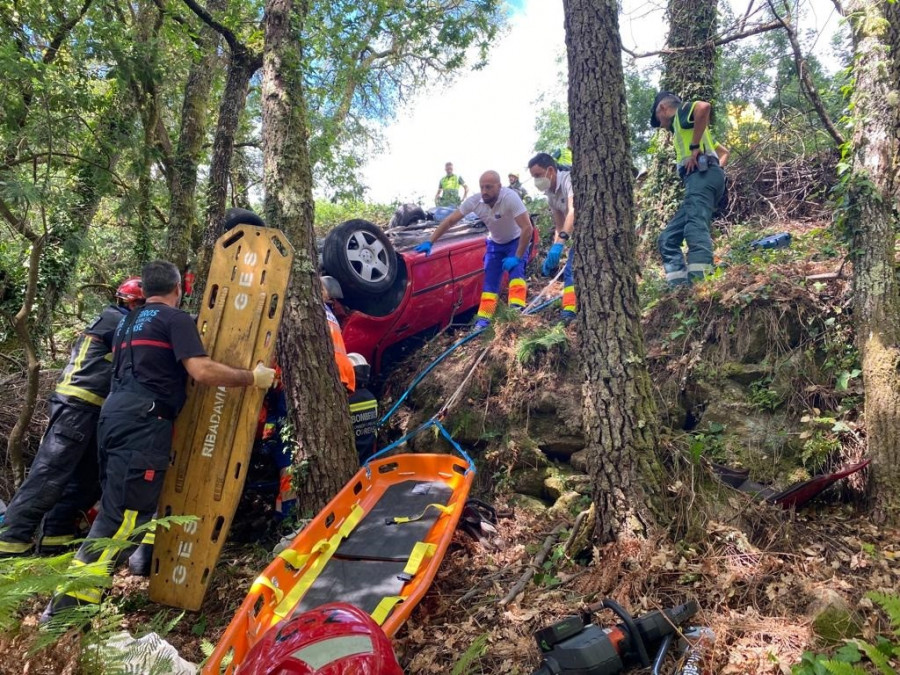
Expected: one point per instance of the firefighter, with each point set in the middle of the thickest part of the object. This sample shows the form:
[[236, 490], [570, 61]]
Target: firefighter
[[155, 348], [700, 160], [448, 188], [556, 184], [509, 239], [64, 478], [363, 409], [516, 186]]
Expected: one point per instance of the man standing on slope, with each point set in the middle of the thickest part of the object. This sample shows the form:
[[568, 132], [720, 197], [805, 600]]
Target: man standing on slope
[[509, 237]]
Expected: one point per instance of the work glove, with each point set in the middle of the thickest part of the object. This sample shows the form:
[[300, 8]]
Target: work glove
[[262, 376], [510, 263], [424, 247], [551, 262]]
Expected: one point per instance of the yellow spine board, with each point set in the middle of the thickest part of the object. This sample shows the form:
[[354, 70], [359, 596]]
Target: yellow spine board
[[214, 433]]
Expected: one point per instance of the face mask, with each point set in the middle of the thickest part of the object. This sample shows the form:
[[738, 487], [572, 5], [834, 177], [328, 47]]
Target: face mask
[[542, 183]]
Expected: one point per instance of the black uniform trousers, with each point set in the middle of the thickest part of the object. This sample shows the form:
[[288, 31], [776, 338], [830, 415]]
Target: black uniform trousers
[[63, 480], [134, 454]]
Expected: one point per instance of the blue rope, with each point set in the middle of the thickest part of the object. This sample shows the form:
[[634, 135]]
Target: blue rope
[[433, 422], [427, 370]]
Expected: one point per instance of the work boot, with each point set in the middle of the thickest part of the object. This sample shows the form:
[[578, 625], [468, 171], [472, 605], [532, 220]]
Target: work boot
[[139, 562], [566, 317]]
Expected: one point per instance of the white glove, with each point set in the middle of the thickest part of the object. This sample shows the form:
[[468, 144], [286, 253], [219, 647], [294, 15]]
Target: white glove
[[263, 377]]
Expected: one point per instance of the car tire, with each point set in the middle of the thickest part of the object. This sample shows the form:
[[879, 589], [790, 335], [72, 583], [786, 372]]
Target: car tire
[[407, 215], [360, 256]]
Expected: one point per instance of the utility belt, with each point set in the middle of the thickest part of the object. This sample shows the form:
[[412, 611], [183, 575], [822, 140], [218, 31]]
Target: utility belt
[[712, 160]]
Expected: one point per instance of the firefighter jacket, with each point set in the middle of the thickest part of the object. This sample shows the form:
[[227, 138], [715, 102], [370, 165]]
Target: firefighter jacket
[[88, 374]]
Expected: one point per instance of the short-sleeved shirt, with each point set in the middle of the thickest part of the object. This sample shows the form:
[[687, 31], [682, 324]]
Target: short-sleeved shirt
[[499, 218], [153, 346], [559, 198]]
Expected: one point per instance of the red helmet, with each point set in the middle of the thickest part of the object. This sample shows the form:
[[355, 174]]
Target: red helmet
[[334, 639], [130, 290]]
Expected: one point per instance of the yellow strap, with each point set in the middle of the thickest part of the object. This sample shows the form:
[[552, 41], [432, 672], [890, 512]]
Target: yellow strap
[[420, 551], [409, 519], [262, 580], [385, 606], [297, 560], [363, 405], [328, 548]]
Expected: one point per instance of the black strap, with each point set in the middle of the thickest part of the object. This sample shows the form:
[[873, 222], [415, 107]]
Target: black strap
[[127, 328]]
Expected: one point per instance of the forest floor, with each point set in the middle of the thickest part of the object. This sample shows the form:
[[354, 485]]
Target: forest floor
[[760, 575]]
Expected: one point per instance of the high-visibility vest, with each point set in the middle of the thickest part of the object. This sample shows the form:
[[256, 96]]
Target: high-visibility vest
[[684, 136], [345, 366]]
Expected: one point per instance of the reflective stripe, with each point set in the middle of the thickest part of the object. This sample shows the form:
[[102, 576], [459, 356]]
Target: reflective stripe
[[680, 274], [78, 392], [363, 406], [384, 608], [518, 292], [14, 546], [488, 305], [699, 267], [91, 595], [149, 538], [568, 299], [58, 540]]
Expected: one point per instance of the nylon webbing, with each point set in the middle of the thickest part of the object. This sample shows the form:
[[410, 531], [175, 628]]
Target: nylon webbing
[[420, 552], [384, 608], [290, 600], [411, 519]]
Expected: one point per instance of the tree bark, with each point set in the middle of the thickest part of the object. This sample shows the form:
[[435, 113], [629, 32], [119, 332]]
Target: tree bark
[[619, 413], [873, 188], [325, 456], [194, 120], [241, 67]]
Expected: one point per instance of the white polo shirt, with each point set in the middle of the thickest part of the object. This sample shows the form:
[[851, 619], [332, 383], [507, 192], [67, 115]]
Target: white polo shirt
[[499, 218], [559, 198]]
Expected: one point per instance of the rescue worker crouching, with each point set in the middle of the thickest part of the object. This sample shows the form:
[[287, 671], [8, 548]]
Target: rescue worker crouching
[[363, 409], [64, 479], [155, 348]]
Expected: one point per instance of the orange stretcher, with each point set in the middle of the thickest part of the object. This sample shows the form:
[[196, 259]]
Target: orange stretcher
[[377, 545]]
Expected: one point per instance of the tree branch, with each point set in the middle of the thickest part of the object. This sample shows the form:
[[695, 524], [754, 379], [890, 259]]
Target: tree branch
[[716, 41], [233, 43], [806, 83]]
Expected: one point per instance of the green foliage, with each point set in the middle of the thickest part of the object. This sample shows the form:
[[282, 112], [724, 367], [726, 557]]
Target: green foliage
[[331, 214], [848, 659], [543, 340], [709, 442], [546, 576], [472, 654], [763, 396]]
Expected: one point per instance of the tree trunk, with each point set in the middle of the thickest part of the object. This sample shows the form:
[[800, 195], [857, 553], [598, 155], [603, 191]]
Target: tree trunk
[[872, 222], [22, 327], [241, 68], [325, 457], [183, 178], [619, 413]]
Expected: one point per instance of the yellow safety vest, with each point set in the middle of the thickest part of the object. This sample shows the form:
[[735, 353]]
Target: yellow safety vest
[[684, 135]]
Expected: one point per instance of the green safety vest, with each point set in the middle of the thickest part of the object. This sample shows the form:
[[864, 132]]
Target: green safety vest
[[683, 134], [451, 182]]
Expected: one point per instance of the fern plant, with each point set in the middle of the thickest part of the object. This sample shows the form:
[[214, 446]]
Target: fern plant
[[541, 341], [848, 660]]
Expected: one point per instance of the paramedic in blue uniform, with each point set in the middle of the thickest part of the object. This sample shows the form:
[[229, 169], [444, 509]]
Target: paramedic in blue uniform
[[155, 348], [64, 478]]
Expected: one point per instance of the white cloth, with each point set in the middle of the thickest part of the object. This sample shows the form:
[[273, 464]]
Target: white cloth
[[499, 218], [148, 654], [559, 198]]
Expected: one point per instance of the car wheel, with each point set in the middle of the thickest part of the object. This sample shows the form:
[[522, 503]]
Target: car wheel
[[359, 255], [407, 215]]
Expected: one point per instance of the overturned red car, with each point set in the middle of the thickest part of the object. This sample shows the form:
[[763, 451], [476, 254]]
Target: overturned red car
[[392, 293]]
